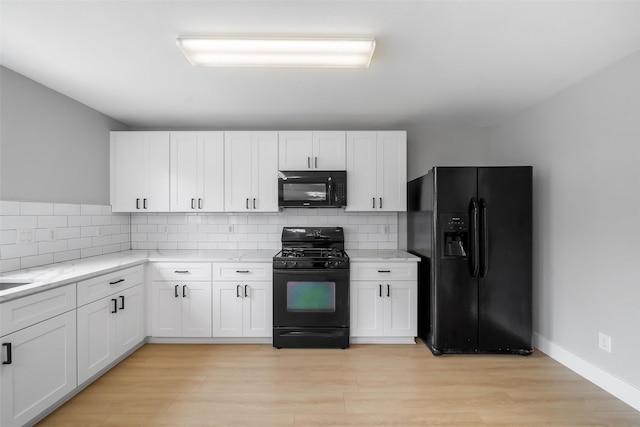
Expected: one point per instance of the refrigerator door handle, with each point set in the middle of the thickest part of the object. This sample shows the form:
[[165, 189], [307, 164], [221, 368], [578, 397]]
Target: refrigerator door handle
[[474, 266], [484, 237]]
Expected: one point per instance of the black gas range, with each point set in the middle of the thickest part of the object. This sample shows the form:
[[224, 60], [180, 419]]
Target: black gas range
[[311, 289]]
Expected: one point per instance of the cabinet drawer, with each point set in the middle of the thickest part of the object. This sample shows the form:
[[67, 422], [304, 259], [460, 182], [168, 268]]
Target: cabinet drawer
[[22, 312], [99, 287], [246, 272], [384, 271], [182, 271]]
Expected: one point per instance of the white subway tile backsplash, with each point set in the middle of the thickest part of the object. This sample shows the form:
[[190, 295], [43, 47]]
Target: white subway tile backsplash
[[51, 221], [66, 209], [35, 261], [13, 222], [64, 232], [32, 208], [60, 232], [9, 208], [91, 209]]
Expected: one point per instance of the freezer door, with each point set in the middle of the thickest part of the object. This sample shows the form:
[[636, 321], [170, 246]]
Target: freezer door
[[454, 297], [505, 285]]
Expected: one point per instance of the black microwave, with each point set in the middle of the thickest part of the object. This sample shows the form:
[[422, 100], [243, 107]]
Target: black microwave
[[312, 189]]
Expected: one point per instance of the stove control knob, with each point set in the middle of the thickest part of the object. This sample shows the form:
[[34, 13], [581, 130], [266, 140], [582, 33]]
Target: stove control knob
[[327, 264]]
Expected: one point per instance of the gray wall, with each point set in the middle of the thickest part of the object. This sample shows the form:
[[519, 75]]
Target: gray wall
[[584, 145], [52, 148]]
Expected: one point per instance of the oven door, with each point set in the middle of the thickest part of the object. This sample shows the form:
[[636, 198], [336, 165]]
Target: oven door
[[311, 298]]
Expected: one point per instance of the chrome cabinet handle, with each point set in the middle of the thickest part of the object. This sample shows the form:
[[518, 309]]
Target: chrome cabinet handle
[[199, 203], [309, 162], [254, 203], [380, 290], [115, 305], [175, 291], [380, 202], [247, 204], [374, 202], [246, 294], [137, 203], [237, 291], [193, 203], [116, 282], [316, 163], [121, 302], [388, 290], [144, 203], [184, 291]]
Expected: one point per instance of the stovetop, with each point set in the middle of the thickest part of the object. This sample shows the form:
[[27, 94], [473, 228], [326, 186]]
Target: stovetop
[[312, 248]]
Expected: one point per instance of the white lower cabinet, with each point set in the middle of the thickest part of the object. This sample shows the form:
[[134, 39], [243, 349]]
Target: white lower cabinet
[[108, 328], [242, 300], [382, 306], [242, 309], [38, 368], [180, 306]]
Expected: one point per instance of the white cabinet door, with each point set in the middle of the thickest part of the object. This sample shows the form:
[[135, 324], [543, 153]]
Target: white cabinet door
[[227, 309], [362, 168], [180, 309], [377, 171], [96, 337], [140, 171], [126, 171], [265, 172], [211, 184], [305, 150], [329, 151], [197, 171], [129, 320], [238, 174], [165, 309], [196, 309], [156, 181], [257, 309], [400, 305], [367, 309], [242, 309], [392, 171], [108, 328], [251, 167], [295, 150], [184, 171], [42, 368]]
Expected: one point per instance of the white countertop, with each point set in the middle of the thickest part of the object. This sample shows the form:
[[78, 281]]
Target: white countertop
[[54, 275]]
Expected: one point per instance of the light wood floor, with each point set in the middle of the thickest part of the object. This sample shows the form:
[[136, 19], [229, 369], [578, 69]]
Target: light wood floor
[[366, 385]]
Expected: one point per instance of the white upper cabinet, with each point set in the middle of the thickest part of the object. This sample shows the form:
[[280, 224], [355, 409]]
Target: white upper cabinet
[[251, 168], [305, 150], [140, 171], [377, 171], [197, 171]]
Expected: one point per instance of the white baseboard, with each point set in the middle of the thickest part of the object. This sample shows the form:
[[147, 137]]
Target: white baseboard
[[609, 383]]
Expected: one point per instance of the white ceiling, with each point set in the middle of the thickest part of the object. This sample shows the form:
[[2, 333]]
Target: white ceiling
[[463, 62]]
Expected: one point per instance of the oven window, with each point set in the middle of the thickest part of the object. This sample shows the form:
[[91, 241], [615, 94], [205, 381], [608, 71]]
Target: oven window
[[311, 296], [307, 192]]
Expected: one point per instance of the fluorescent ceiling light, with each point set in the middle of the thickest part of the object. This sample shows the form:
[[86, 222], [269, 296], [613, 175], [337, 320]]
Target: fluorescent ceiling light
[[277, 52]]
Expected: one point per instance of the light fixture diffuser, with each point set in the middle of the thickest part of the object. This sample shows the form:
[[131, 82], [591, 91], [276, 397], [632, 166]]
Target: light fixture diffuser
[[277, 52]]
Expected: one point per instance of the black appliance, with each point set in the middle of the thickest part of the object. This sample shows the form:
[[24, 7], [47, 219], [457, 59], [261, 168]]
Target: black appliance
[[311, 289], [472, 227], [312, 189]]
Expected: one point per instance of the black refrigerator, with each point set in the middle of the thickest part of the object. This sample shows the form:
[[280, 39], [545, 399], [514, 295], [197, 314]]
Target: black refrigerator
[[472, 229]]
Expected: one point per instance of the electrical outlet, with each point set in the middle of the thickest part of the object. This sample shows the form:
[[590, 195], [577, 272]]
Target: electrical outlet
[[385, 229], [604, 342], [51, 234], [25, 235], [99, 232]]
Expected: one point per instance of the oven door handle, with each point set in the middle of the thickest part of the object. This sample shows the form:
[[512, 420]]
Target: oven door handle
[[320, 273]]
